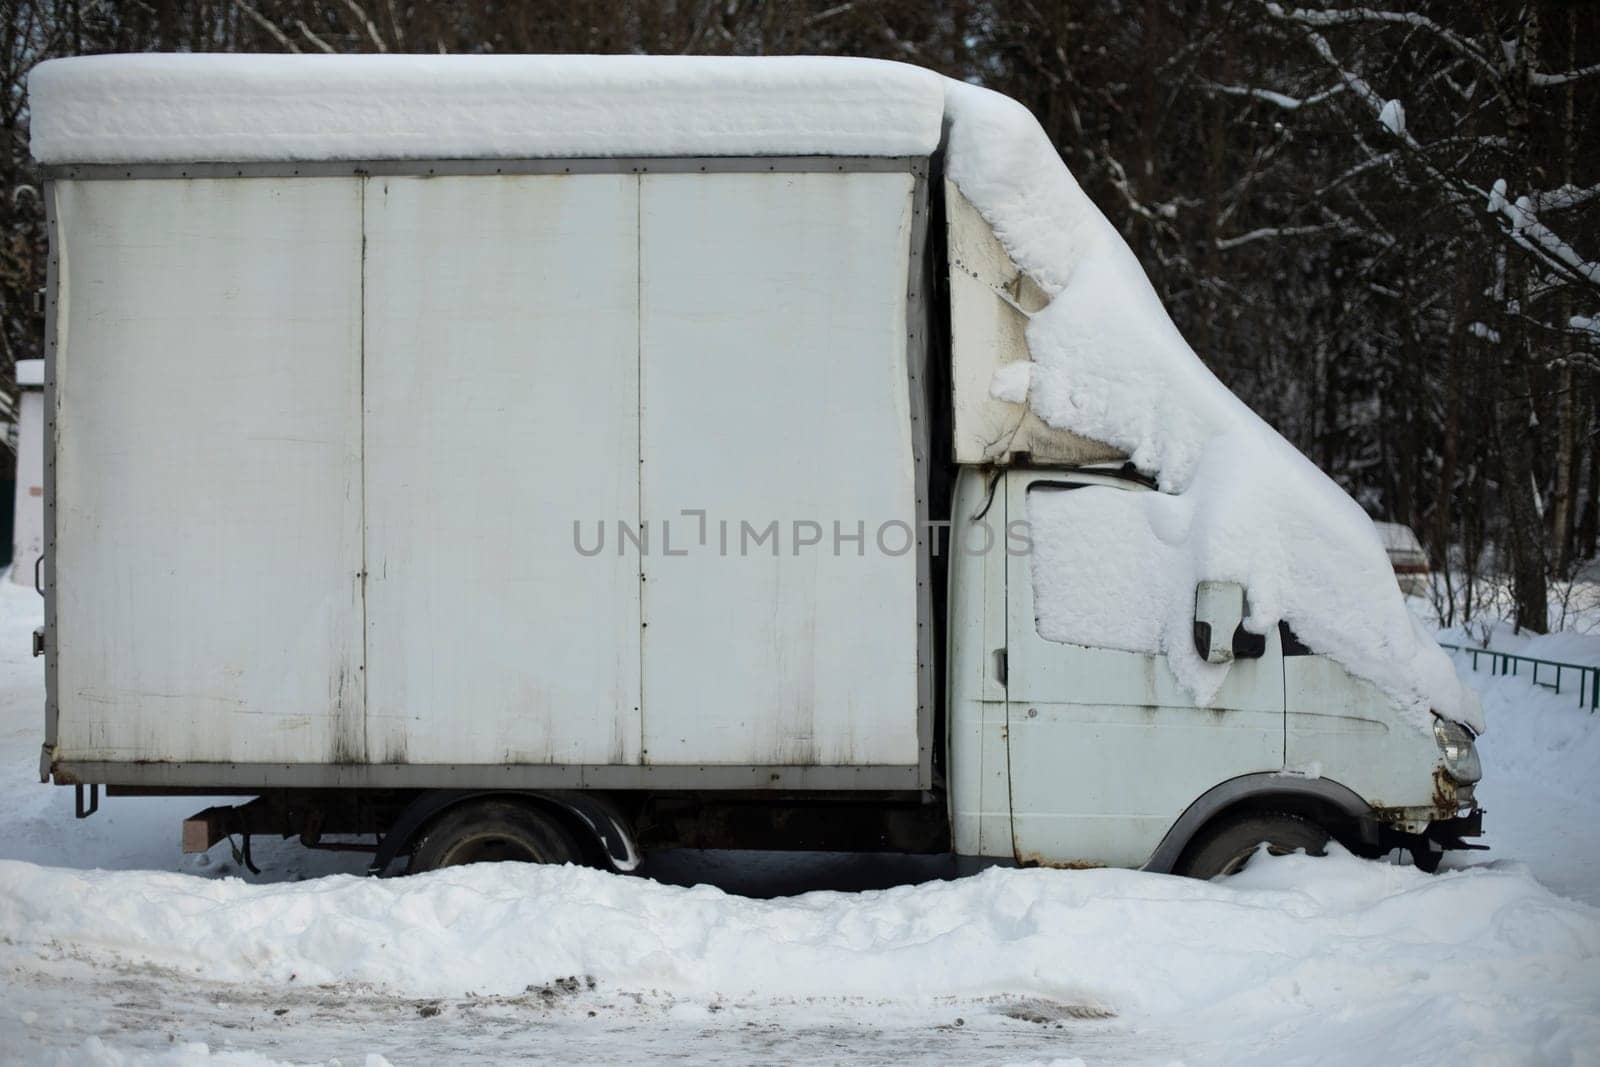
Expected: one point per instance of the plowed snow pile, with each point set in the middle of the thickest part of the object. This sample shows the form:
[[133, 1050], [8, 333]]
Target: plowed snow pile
[[1284, 949]]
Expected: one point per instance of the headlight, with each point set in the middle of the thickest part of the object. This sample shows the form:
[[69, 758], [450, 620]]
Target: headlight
[[1460, 755]]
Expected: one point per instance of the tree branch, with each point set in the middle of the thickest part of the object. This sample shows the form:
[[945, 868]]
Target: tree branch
[[372, 30], [1277, 99], [1224, 244], [1541, 80], [313, 38], [266, 24], [1322, 18]]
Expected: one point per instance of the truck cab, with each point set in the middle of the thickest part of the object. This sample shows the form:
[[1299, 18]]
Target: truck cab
[[1072, 742]]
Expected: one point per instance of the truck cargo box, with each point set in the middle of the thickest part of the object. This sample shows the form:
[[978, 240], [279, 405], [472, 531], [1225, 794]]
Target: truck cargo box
[[543, 473]]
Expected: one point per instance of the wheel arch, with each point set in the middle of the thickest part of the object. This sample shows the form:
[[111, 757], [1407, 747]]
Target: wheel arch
[[1335, 807], [599, 823]]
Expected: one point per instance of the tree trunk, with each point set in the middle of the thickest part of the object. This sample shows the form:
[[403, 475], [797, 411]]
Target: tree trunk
[[1442, 523], [1563, 506], [1525, 530], [1566, 462], [1589, 524], [1516, 417]]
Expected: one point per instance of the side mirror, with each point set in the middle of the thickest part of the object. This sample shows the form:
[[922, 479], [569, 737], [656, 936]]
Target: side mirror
[[1218, 616]]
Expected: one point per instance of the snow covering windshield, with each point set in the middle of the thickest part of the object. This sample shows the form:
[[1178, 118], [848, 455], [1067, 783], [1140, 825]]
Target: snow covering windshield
[[1107, 362]]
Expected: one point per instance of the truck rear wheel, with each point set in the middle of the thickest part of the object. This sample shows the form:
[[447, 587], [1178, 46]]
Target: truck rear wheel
[[492, 831], [1227, 846]]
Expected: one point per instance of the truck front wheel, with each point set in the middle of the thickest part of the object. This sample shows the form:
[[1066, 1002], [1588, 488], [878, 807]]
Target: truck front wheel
[[1227, 846], [489, 831]]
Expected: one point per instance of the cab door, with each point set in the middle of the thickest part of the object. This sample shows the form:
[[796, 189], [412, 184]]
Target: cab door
[[1106, 747]]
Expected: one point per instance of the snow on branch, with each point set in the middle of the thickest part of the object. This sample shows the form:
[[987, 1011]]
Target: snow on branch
[[1351, 80], [1266, 232], [1393, 117], [1382, 159], [1542, 80], [828, 13], [1526, 231], [1530, 233], [1564, 197], [1323, 18], [1277, 99], [1118, 177]]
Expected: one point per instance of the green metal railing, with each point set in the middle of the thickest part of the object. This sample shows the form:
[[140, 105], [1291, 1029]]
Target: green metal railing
[[1507, 663]]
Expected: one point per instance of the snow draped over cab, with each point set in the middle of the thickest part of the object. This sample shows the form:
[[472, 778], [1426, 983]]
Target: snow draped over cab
[[1109, 365]]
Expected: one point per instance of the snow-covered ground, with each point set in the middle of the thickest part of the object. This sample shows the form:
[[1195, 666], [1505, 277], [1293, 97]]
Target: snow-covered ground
[[1541, 783], [113, 949]]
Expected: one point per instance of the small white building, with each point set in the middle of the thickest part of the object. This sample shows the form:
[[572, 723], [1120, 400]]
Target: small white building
[[28, 529]]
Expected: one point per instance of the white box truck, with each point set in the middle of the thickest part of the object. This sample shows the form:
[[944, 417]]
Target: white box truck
[[562, 459]]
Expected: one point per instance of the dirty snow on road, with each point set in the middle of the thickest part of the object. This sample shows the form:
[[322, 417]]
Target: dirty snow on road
[[113, 949]]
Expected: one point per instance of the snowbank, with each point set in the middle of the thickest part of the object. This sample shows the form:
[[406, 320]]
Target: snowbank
[[97, 1053], [1107, 362], [1274, 947], [1548, 739], [1539, 760], [1248, 507], [187, 108]]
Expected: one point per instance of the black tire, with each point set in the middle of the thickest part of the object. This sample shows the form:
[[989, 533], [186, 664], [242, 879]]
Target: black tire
[[1226, 846], [492, 831]]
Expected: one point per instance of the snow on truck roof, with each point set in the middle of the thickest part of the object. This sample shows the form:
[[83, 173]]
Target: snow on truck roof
[[252, 108], [1107, 362]]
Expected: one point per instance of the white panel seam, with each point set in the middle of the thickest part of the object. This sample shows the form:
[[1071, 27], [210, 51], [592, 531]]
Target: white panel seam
[[361, 459], [638, 426]]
